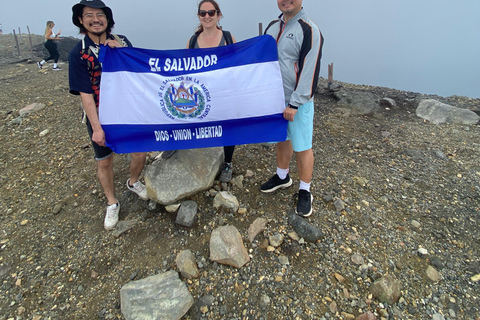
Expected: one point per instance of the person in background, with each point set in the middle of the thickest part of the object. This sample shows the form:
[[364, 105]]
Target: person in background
[[208, 35], [51, 46], [299, 43], [95, 21]]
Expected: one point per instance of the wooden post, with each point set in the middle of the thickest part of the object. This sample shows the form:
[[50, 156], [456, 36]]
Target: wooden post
[[330, 74], [16, 42], [20, 35], [260, 29], [30, 41]]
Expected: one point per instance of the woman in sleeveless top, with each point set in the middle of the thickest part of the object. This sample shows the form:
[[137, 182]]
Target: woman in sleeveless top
[[209, 35], [51, 46]]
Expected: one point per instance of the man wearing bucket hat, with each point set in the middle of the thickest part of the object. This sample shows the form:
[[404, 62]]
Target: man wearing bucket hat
[[95, 21]]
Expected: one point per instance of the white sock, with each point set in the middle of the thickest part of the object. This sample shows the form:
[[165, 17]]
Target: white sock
[[43, 62], [54, 65], [304, 186], [282, 173]]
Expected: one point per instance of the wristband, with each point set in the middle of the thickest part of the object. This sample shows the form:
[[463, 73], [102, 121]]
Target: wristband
[[292, 107]]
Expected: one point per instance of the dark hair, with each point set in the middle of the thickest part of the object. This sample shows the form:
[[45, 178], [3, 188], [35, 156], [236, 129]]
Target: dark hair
[[217, 7], [108, 14]]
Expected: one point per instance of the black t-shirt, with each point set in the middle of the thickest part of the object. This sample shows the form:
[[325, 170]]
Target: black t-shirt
[[84, 68]]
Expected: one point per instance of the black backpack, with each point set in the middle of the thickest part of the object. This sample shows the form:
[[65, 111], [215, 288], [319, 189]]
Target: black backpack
[[226, 34]]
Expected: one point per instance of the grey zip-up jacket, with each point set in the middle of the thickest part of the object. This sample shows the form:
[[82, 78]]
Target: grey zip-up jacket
[[299, 43]]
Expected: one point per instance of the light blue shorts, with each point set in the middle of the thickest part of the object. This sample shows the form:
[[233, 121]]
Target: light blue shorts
[[300, 130]]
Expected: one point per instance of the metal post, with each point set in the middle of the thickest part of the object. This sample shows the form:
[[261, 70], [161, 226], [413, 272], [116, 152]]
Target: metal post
[[20, 35], [30, 41], [260, 29], [16, 41]]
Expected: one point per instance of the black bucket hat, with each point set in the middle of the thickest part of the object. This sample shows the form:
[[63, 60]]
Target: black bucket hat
[[78, 11]]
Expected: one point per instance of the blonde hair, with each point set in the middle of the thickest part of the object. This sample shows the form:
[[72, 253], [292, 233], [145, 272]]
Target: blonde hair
[[49, 27]]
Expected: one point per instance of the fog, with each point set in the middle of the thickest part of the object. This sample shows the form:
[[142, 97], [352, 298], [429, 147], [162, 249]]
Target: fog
[[428, 46]]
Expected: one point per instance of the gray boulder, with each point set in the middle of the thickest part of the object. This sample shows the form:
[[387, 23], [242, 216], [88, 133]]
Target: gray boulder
[[357, 103], [186, 173], [226, 247], [159, 297], [304, 229], [437, 113], [187, 213]]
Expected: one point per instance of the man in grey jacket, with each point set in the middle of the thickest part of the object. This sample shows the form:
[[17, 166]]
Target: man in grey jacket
[[299, 43]]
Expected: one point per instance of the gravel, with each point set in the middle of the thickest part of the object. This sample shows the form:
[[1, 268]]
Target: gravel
[[385, 186]]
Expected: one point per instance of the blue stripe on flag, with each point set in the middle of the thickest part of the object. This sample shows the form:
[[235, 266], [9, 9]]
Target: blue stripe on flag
[[178, 62], [144, 138]]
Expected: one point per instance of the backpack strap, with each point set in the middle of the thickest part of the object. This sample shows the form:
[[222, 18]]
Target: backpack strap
[[228, 37], [119, 40], [271, 24], [193, 41]]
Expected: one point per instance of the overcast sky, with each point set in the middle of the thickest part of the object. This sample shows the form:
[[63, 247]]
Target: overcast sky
[[427, 46]]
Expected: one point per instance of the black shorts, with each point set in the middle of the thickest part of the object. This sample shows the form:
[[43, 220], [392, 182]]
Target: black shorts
[[100, 152]]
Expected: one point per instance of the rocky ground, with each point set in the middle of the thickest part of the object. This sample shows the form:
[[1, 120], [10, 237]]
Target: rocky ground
[[406, 184]]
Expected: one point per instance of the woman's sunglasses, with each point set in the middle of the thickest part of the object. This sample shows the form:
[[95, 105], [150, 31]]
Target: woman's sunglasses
[[203, 13]]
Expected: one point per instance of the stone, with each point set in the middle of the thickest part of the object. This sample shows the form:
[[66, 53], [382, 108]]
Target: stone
[[294, 236], [333, 307], [187, 264], [388, 103], [162, 296], [416, 224], [475, 278], [438, 316], [438, 113], [339, 277], [227, 201], [187, 213], [357, 259], [304, 229], [276, 240], [255, 228], [264, 301], [237, 182], [366, 316], [339, 205], [433, 274], [422, 252], [172, 208], [34, 107], [358, 104], [226, 247], [186, 173], [387, 289], [123, 226], [283, 260]]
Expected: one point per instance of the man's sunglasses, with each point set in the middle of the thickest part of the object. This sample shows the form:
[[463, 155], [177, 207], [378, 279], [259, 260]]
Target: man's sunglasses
[[203, 13]]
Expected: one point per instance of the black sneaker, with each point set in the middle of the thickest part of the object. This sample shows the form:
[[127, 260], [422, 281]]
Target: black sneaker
[[304, 204], [226, 173], [276, 183]]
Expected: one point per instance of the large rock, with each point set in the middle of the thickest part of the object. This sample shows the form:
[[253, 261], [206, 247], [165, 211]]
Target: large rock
[[437, 113], [186, 173], [159, 297], [304, 229], [387, 289], [226, 247], [187, 265], [357, 103]]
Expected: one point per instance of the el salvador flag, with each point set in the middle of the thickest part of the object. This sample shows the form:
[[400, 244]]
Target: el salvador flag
[[154, 100]]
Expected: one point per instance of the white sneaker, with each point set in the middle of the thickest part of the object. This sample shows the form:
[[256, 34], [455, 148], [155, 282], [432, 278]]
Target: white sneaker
[[111, 218], [139, 189]]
